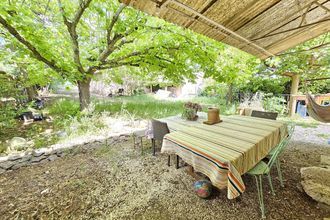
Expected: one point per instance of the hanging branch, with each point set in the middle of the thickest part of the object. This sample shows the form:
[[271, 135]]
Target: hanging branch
[[31, 48]]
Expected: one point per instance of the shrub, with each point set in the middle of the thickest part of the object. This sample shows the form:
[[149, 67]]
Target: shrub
[[275, 104]]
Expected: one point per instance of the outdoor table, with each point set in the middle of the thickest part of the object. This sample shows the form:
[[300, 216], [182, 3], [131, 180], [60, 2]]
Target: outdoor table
[[223, 151]]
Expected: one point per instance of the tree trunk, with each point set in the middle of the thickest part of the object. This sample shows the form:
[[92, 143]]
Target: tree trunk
[[84, 93], [31, 93], [230, 94]]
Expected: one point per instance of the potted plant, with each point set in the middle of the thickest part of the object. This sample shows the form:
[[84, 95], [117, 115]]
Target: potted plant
[[190, 110]]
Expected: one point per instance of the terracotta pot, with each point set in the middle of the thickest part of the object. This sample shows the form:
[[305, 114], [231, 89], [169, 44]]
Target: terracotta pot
[[213, 115]]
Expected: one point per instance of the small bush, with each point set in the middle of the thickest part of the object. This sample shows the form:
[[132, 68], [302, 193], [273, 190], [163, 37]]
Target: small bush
[[3, 148], [275, 104]]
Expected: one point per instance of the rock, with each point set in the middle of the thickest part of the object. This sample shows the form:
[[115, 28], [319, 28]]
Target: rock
[[14, 157], [2, 170], [37, 159], [17, 144], [44, 160], [37, 153], [18, 165], [60, 153], [325, 160], [316, 183], [7, 164], [48, 131], [61, 134], [25, 158], [52, 157], [45, 191]]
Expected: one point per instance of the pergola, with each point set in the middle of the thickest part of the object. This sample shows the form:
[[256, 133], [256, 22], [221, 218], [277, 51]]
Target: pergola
[[260, 27], [263, 28]]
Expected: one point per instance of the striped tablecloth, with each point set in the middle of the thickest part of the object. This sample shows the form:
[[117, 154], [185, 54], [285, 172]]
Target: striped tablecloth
[[223, 151]]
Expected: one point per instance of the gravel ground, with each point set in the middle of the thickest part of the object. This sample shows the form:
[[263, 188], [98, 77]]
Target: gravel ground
[[117, 182]]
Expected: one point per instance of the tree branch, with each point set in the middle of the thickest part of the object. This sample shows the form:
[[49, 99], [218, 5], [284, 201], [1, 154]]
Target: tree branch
[[72, 29], [32, 49], [113, 22]]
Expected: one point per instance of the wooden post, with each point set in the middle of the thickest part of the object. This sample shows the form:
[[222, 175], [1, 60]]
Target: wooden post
[[293, 92]]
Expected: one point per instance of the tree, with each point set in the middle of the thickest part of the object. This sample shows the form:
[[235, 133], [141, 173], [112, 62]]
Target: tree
[[310, 60], [25, 73], [234, 67], [79, 39]]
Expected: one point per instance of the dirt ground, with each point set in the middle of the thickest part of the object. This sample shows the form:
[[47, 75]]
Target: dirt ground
[[117, 182]]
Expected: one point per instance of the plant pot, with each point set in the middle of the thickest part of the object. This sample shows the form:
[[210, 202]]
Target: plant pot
[[190, 114]]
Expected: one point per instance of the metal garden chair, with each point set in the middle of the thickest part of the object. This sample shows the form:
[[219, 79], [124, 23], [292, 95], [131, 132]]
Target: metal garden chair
[[277, 161], [263, 168], [138, 138], [267, 115], [160, 129]]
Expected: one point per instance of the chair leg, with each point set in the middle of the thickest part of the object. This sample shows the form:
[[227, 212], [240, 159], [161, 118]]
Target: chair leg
[[177, 162], [134, 141], [141, 146], [271, 184], [279, 172], [153, 147], [260, 195], [169, 160]]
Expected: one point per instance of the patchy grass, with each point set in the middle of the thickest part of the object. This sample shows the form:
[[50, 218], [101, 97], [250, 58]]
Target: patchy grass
[[325, 136], [302, 122]]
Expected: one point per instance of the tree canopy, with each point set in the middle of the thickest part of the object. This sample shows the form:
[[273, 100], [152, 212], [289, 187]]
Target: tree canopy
[[78, 39]]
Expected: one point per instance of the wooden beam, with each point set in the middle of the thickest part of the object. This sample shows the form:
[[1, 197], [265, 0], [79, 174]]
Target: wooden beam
[[286, 22], [293, 29], [322, 6], [196, 20], [303, 18], [293, 92], [126, 2], [164, 3], [203, 11], [248, 42]]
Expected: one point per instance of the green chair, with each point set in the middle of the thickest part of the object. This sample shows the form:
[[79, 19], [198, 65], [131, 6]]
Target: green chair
[[277, 161], [262, 168]]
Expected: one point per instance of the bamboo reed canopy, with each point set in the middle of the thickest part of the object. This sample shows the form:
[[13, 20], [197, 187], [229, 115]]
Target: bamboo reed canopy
[[263, 28]]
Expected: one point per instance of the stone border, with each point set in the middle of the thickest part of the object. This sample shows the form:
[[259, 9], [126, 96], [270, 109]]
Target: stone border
[[43, 155]]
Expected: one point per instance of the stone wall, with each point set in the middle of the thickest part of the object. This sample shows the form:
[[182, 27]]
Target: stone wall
[[43, 155]]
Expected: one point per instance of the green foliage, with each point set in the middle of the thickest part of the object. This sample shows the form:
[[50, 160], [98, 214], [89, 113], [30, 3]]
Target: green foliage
[[64, 109], [310, 60], [137, 41], [275, 104], [7, 117], [234, 66], [265, 82], [214, 88], [189, 114], [3, 148]]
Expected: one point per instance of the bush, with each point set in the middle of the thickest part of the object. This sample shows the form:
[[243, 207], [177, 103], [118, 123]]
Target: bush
[[275, 104]]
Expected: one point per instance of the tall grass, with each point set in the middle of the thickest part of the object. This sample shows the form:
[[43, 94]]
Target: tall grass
[[141, 106], [138, 106]]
